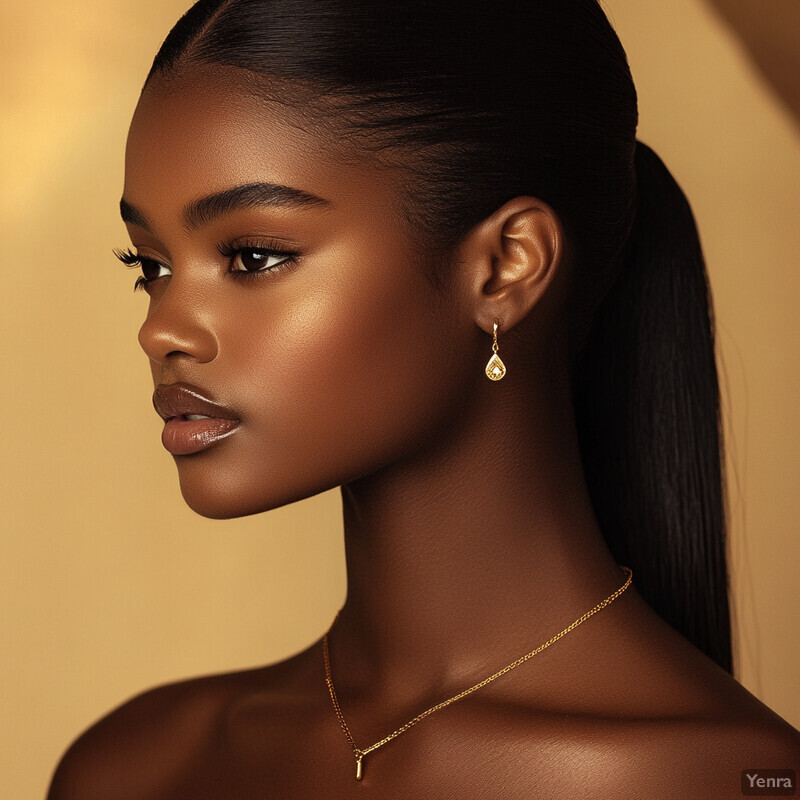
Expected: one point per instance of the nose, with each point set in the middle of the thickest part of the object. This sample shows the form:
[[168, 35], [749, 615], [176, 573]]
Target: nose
[[177, 324]]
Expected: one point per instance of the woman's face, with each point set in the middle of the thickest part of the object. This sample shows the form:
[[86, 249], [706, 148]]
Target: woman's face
[[330, 363]]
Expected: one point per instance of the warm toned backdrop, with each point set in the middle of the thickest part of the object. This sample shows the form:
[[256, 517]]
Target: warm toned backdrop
[[108, 584]]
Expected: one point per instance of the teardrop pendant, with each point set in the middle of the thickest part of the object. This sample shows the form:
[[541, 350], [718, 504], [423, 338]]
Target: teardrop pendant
[[495, 369]]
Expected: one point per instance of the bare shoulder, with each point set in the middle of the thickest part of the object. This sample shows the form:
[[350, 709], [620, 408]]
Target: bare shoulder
[[742, 733], [137, 746], [729, 719], [144, 747], [655, 717], [700, 729], [710, 755], [703, 758]]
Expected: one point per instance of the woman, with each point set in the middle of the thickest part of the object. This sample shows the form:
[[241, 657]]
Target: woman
[[418, 253]]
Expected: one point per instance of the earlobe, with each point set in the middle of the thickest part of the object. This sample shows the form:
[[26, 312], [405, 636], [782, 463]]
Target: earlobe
[[516, 252]]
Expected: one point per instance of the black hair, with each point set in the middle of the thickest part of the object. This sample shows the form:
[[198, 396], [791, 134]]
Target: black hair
[[492, 99]]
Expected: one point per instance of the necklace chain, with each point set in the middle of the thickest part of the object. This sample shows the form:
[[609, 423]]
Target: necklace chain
[[361, 752]]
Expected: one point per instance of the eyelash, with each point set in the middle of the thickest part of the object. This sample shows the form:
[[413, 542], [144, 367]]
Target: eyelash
[[227, 250]]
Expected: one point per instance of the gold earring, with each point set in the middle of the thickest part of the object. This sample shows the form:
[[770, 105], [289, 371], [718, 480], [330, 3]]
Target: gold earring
[[495, 368]]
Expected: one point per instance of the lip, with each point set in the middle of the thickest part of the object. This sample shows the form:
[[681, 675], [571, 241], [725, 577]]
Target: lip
[[175, 403]]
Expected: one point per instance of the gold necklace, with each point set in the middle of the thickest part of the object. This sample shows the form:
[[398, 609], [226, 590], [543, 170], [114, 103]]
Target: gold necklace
[[360, 753]]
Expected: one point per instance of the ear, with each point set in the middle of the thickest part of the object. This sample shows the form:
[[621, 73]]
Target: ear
[[510, 258]]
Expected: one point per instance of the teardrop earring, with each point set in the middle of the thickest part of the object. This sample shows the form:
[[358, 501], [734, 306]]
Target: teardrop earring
[[495, 368]]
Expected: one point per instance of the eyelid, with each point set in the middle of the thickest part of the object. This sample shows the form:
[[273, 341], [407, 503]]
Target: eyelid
[[230, 247]]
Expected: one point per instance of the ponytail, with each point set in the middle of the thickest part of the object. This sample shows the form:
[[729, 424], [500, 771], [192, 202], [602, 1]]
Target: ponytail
[[648, 415]]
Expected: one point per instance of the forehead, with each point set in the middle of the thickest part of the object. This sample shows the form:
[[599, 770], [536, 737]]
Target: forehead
[[204, 132]]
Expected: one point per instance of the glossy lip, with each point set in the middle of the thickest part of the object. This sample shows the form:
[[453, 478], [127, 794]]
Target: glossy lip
[[178, 399], [182, 436]]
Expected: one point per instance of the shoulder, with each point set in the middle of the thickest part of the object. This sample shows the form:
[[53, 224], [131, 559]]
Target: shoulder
[[702, 729], [655, 717], [707, 757], [743, 733], [145, 744], [694, 754]]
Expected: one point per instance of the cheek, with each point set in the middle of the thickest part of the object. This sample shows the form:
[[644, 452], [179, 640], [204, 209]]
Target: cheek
[[336, 380]]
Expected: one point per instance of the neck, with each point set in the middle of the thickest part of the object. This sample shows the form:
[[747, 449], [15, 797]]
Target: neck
[[477, 552]]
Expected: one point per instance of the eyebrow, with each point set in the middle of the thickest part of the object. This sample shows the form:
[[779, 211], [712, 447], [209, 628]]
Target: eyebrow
[[204, 211]]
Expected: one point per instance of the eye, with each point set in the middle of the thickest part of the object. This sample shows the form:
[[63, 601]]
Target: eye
[[251, 257], [151, 269], [255, 259]]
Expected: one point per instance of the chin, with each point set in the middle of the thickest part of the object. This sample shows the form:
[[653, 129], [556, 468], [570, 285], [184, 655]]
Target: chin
[[221, 501], [222, 504], [211, 510], [211, 498]]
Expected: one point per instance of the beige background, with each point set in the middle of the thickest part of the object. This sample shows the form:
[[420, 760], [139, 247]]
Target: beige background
[[108, 584]]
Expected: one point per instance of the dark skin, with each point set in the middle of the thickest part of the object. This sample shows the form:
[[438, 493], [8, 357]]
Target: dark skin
[[469, 533]]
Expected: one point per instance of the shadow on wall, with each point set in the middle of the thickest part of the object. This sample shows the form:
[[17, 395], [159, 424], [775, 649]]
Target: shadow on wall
[[769, 30]]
